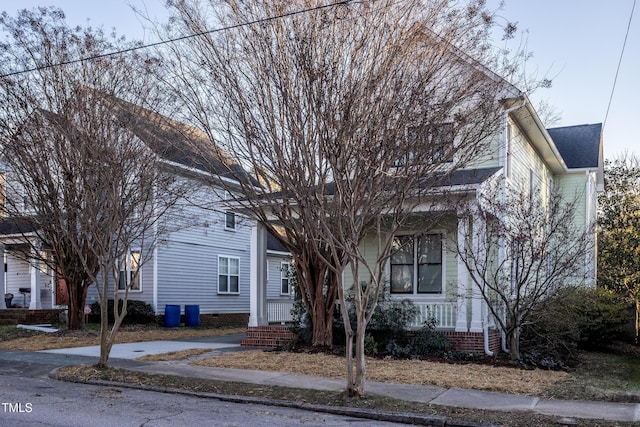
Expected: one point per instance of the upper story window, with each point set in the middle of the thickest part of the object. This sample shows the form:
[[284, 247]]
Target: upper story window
[[432, 142], [417, 264], [508, 149], [2, 193], [130, 272], [230, 221]]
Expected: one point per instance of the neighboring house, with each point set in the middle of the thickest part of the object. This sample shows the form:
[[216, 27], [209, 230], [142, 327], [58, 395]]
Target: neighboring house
[[203, 261], [428, 270]]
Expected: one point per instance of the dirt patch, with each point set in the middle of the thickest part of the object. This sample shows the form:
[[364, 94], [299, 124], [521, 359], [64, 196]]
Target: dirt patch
[[65, 339], [471, 376]]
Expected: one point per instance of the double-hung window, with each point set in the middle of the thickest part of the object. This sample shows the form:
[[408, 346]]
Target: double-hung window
[[130, 272], [285, 289], [432, 142], [228, 275], [416, 264]]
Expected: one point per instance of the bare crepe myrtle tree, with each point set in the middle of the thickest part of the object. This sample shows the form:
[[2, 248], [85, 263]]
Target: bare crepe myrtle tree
[[311, 95], [524, 246], [79, 175]]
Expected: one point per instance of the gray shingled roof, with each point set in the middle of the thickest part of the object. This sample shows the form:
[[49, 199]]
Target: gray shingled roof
[[17, 225], [175, 141], [273, 244], [468, 176], [579, 145]]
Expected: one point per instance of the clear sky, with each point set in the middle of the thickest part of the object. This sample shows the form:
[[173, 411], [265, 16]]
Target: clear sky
[[576, 42]]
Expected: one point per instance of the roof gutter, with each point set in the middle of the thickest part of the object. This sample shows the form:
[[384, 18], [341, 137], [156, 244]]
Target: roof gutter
[[545, 134]]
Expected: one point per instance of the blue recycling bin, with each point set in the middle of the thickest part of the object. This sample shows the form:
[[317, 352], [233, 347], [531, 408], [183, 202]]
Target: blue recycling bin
[[171, 316], [192, 315]]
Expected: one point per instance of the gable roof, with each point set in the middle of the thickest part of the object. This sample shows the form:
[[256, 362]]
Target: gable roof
[[579, 146], [273, 244], [175, 141]]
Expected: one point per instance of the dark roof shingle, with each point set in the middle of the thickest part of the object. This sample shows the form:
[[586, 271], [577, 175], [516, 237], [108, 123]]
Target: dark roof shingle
[[578, 145]]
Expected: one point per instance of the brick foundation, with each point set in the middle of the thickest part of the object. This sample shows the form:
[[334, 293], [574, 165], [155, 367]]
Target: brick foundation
[[221, 319], [14, 316], [472, 341], [224, 319], [276, 336], [267, 336]]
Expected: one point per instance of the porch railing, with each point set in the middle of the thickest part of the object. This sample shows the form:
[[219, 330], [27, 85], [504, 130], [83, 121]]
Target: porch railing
[[279, 311], [444, 313]]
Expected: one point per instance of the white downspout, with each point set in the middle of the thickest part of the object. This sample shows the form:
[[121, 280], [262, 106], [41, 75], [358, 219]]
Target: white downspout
[[503, 338], [485, 330]]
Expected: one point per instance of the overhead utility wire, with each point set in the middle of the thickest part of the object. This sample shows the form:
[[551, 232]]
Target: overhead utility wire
[[615, 80], [162, 42]]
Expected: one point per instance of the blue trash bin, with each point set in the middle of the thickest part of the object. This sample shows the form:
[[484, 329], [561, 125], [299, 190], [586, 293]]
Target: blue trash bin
[[171, 316], [192, 315]]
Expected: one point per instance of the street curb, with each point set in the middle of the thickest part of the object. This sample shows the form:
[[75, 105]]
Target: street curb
[[396, 417]]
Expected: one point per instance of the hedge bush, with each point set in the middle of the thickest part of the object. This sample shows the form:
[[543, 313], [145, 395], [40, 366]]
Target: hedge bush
[[138, 312], [570, 319]]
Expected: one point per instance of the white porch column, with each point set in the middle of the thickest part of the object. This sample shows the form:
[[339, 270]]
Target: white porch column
[[2, 283], [478, 242], [463, 275], [34, 271], [258, 293]]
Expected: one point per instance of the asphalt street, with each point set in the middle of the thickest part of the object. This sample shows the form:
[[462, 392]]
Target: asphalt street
[[30, 398]]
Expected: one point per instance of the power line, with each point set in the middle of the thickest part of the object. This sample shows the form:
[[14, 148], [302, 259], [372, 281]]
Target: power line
[[163, 42], [615, 80]]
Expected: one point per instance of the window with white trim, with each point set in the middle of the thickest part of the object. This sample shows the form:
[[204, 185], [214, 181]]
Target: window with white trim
[[228, 275], [130, 272], [436, 143], [285, 288], [229, 221], [417, 264], [508, 150]]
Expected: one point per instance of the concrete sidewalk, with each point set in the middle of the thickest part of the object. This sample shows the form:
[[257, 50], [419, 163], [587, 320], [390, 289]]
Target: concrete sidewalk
[[473, 399]]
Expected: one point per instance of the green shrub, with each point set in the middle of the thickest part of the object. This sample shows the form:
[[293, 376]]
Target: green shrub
[[602, 317], [138, 312], [428, 341], [389, 322], [370, 346], [572, 318]]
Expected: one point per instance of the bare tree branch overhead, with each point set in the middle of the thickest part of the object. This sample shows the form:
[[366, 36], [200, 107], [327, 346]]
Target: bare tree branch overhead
[[348, 117]]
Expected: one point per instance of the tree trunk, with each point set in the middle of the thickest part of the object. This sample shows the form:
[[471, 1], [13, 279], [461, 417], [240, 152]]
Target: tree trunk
[[357, 385], [77, 297], [105, 345], [637, 321], [320, 302], [514, 344], [322, 326]]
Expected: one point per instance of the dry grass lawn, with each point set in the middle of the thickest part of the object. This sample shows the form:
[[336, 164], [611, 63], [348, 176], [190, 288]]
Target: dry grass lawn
[[472, 376]]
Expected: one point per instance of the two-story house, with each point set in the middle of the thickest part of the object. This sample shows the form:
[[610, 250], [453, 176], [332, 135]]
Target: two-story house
[[204, 262], [429, 270]]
